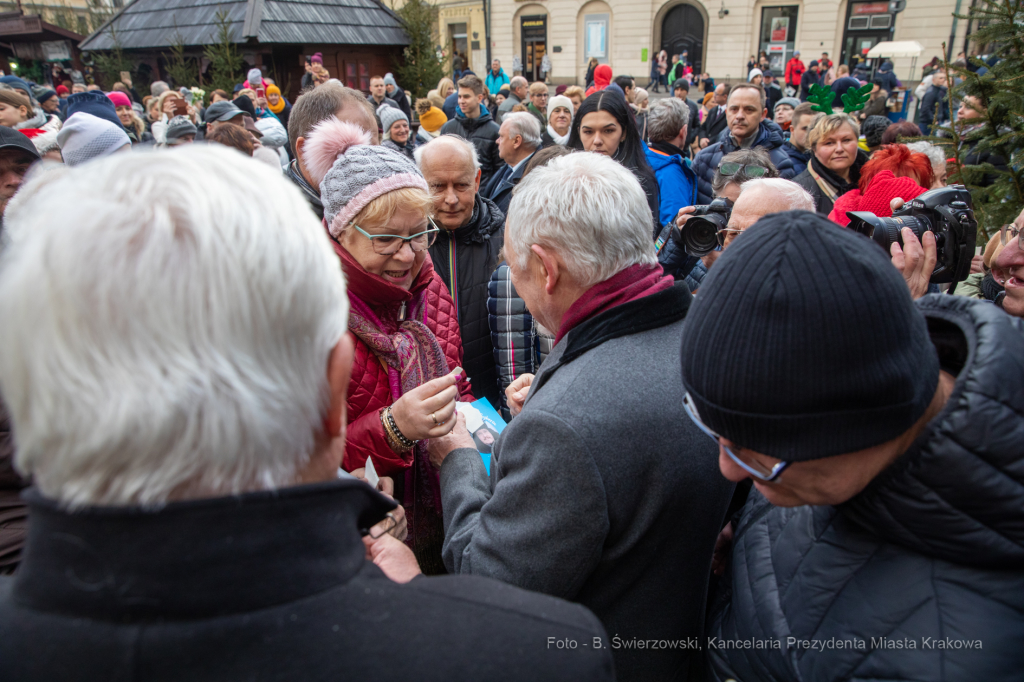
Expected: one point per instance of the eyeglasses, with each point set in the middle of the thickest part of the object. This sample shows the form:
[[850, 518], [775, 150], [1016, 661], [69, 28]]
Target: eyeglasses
[[1007, 233], [755, 469], [723, 235], [752, 170], [390, 244]]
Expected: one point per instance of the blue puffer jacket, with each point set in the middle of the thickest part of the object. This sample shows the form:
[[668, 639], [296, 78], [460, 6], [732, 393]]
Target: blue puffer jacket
[[677, 182], [800, 159], [921, 575], [519, 345], [769, 136]]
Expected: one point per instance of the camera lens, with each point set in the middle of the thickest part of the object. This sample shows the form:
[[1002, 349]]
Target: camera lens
[[699, 235], [886, 231]]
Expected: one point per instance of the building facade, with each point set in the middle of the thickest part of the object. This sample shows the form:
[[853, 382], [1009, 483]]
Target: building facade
[[627, 34]]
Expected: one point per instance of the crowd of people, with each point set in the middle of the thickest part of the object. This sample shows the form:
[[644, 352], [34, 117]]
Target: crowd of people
[[235, 443]]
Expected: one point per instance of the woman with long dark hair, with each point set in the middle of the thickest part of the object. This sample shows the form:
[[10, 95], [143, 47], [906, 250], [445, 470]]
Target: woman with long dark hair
[[605, 125]]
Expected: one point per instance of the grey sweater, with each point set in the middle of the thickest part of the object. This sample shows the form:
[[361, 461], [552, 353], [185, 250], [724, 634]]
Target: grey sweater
[[602, 491]]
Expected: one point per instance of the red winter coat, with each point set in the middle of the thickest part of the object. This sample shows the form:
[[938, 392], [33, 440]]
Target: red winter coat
[[794, 72], [876, 198], [369, 390]]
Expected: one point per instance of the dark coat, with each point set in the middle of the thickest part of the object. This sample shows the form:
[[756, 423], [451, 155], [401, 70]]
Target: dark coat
[[886, 79], [477, 244], [311, 194], [402, 101], [483, 133], [806, 81], [932, 549], [769, 136], [13, 512], [499, 189], [713, 125], [588, 501], [772, 94], [800, 159], [692, 125], [264, 586], [934, 109]]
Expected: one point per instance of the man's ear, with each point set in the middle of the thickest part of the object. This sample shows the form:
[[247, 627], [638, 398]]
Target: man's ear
[[550, 267], [476, 181], [339, 370], [300, 143], [764, 113]]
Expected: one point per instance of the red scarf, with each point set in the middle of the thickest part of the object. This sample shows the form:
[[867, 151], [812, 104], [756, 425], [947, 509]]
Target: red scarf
[[631, 284]]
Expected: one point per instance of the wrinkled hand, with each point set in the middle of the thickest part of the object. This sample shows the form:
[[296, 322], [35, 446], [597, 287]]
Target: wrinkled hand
[[458, 437], [412, 411], [977, 265], [393, 557], [723, 550], [515, 394]]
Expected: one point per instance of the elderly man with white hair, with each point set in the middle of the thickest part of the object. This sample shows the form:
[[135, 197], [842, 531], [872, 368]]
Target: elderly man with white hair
[[466, 250], [761, 197], [188, 519], [518, 138], [601, 491]]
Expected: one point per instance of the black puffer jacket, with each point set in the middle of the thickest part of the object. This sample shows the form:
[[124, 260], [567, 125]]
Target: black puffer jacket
[[483, 133], [928, 560], [476, 246], [769, 136]]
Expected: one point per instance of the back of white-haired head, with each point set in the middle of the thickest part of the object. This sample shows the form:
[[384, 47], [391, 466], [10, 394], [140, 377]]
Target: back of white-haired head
[[780, 195], [175, 342], [589, 209], [933, 152], [444, 143], [525, 125]]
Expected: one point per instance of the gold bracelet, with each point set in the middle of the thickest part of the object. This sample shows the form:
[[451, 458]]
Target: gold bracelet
[[393, 440]]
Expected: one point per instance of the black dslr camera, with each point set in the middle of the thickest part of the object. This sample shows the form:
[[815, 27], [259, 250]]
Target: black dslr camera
[[699, 235], [948, 212]]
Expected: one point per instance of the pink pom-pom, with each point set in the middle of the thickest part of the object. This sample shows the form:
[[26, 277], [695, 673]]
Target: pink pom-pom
[[327, 141]]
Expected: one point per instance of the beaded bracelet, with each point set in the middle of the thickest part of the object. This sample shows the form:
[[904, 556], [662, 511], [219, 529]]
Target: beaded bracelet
[[395, 436]]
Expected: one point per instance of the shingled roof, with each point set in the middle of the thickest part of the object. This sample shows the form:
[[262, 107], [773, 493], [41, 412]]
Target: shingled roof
[[146, 24]]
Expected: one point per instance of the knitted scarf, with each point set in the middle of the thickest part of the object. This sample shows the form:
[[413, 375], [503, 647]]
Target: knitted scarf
[[279, 107], [558, 139]]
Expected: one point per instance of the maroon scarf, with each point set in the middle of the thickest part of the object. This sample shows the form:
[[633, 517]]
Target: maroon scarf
[[632, 283]]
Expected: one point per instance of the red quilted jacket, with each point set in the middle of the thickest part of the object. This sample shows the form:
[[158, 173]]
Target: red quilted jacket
[[369, 391]]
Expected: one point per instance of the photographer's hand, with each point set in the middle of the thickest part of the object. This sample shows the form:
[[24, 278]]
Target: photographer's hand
[[915, 261], [684, 215]]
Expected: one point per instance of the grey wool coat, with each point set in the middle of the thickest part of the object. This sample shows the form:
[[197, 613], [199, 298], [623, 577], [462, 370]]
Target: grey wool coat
[[602, 491]]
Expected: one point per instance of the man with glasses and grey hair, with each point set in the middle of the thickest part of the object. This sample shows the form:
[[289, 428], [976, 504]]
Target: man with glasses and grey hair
[[1008, 268], [600, 491], [884, 535], [466, 251]]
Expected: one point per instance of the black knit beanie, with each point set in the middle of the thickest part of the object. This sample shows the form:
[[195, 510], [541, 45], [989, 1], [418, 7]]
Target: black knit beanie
[[803, 342]]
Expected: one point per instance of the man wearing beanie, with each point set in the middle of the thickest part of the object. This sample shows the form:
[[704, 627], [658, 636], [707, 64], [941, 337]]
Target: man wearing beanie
[[600, 491], [85, 137], [397, 95], [94, 103], [884, 537], [180, 130]]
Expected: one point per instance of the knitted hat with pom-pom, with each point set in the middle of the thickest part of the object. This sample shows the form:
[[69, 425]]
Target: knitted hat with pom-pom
[[351, 172]]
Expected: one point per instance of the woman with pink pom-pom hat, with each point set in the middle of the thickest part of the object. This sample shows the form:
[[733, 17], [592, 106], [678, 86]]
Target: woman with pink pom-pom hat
[[406, 374]]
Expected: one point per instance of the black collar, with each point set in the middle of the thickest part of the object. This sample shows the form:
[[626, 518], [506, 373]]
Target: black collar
[[650, 312], [195, 559]]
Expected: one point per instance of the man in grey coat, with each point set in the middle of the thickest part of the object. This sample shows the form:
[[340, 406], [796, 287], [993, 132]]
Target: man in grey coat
[[601, 490]]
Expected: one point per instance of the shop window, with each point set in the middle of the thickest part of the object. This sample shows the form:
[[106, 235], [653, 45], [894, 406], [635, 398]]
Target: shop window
[[778, 35]]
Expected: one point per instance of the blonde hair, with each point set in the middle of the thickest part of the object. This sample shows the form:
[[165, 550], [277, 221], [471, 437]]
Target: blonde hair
[[574, 91], [537, 87], [442, 87], [827, 125], [381, 210]]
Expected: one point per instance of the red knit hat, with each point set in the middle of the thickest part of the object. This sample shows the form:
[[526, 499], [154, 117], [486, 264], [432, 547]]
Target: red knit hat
[[119, 99], [876, 198], [62, 90]]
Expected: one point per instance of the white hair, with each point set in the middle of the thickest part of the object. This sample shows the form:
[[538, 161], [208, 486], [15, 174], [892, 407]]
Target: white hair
[[784, 192], [933, 152], [449, 138], [174, 340], [588, 208], [525, 125]]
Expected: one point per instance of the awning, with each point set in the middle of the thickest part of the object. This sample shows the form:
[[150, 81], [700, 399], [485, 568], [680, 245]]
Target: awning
[[896, 48]]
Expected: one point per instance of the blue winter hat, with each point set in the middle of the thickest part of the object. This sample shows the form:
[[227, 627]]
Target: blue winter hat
[[93, 102], [389, 79], [17, 84]]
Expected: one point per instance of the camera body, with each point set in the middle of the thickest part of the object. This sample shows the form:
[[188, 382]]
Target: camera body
[[947, 212], [699, 234]]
